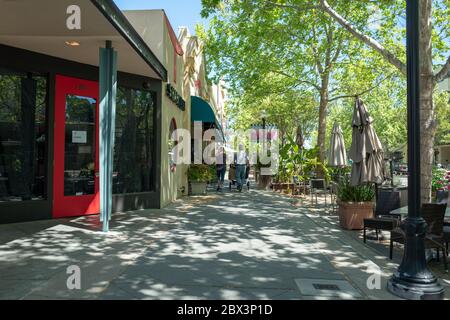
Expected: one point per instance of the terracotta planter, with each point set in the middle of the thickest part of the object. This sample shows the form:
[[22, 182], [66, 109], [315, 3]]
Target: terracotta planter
[[352, 214]]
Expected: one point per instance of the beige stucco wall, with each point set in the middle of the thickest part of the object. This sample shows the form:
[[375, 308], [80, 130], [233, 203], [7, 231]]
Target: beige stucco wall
[[172, 182], [444, 155], [151, 26]]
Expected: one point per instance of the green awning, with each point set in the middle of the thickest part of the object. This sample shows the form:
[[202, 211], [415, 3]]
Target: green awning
[[203, 112]]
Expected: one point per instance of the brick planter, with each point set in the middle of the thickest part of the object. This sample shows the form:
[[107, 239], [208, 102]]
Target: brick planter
[[352, 214], [197, 188]]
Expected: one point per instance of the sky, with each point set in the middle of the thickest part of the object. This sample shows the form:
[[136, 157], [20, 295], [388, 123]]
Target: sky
[[180, 12]]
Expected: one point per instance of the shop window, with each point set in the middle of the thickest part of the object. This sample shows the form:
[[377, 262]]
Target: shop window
[[23, 136], [134, 151]]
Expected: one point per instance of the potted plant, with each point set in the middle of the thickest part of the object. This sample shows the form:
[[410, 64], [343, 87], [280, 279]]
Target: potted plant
[[355, 203], [198, 177], [440, 183]]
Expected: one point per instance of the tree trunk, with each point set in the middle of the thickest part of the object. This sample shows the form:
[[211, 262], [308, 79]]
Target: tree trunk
[[427, 114], [323, 110], [300, 140], [427, 83]]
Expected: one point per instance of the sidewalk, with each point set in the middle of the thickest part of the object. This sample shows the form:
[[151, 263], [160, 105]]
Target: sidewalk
[[254, 245]]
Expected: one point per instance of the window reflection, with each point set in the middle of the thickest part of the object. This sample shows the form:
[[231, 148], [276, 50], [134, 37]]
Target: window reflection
[[80, 146], [23, 104], [134, 141]]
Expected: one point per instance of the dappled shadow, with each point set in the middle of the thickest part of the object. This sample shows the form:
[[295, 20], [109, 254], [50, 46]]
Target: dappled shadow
[[229, 245]]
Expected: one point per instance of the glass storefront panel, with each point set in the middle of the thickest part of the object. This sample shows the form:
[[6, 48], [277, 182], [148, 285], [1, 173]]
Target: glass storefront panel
[[134, 141], [23, 136], [80, 146]]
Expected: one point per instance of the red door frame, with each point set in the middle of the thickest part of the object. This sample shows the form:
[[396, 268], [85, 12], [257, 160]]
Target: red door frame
[[72, 206]]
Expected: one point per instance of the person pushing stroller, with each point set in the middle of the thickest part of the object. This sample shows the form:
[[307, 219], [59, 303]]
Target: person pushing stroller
[[241, 161], [221, 167]]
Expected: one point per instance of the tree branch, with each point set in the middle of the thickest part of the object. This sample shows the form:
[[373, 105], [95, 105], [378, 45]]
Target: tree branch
[[389, 56], [445, 71], [290, 6], [287, 75], [363, 92]]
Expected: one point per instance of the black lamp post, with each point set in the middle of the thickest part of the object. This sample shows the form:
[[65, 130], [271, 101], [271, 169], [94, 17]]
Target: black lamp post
[[264, 117], [413, 280]]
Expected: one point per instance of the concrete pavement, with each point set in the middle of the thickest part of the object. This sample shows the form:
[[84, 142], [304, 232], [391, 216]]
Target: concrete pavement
[[253, 245]]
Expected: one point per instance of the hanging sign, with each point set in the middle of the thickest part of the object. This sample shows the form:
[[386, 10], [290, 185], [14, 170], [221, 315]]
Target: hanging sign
[[175, 97]]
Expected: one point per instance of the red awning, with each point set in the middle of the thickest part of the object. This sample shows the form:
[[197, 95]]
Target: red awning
[[173, 37]]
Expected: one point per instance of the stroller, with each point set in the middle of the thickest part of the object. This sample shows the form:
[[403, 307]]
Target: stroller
[[232, 176]]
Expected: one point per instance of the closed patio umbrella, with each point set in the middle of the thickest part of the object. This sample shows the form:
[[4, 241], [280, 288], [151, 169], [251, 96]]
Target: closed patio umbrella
[[366, 151], [338, 155]]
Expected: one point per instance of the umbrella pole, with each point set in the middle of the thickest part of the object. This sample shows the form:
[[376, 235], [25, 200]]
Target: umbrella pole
[[376, 194]]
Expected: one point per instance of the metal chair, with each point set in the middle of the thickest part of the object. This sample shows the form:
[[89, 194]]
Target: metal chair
[[447, 235], [334, 195], [434, 214], [387, 201], [318, 186]]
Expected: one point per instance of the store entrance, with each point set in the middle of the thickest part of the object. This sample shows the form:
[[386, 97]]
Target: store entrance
[[76, 153]]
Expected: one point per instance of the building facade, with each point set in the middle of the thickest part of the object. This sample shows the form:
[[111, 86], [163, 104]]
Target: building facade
[[51, 72], [207, 100], [164, 43]]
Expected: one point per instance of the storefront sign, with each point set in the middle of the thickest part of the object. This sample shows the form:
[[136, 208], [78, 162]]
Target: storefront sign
[[175, 97]]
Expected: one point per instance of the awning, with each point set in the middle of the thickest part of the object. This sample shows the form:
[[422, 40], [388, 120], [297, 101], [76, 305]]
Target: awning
[[41, 26], [203, 112]]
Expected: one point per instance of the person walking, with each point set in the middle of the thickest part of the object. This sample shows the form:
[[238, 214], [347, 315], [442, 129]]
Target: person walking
[[241, 161], [221, 167]]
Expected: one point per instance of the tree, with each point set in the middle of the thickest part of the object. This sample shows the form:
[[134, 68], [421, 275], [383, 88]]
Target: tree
[[292, 112], [380, 26], [251, 40], [429, 79]]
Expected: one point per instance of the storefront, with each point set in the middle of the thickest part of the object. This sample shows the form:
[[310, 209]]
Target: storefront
[[49, 112], [176, 103]]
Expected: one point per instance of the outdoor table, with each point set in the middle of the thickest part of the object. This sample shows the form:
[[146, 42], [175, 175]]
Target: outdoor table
[[404, 212]]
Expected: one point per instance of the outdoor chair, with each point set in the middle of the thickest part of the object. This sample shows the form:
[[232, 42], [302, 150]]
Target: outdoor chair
[[318, 186], [446, 236], [334, 195], [434, 215], [387, 201], [299, 186]]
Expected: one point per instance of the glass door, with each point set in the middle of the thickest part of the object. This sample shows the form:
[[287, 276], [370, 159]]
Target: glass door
[[76, 165]]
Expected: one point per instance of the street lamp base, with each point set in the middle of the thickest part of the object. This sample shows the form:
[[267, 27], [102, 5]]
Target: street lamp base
[[414, 291]]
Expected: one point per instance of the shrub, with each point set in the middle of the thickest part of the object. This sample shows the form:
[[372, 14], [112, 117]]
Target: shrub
[[441, 180], [349, 193], [200, 173]]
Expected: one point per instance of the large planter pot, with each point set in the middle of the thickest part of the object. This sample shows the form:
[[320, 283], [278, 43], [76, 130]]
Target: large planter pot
[[197, 188], [352, 214]]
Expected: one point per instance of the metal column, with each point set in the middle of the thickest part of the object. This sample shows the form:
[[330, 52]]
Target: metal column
[[413, 280], [108, 93]]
